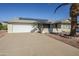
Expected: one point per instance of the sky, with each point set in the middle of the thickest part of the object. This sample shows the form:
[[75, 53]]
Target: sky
[[31, 10]]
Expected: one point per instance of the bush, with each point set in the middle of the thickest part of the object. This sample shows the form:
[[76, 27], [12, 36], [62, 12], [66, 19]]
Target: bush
[[3, 27]]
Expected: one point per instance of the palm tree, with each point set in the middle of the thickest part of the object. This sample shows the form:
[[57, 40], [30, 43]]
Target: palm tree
[[74, 12]]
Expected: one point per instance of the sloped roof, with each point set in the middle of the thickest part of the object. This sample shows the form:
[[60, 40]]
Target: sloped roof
[[28, 20], [63, 21], [66, 21], [32, 20]]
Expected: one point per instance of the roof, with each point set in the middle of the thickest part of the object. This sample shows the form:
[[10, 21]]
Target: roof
[[28, 20], [66, 21], [32, 20], [63, 21]]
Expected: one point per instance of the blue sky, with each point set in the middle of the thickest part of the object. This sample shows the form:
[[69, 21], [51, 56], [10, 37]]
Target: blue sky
[[42, 11]]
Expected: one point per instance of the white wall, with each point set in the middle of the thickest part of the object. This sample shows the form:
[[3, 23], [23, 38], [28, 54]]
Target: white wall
[[58, 30], [9, 28], [64, 27], [45, 30]]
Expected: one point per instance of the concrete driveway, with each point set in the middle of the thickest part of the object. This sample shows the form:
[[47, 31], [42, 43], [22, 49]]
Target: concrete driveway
[[34, 44]]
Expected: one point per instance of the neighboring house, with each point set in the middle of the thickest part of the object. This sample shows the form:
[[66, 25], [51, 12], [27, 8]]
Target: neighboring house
[[20, 25]]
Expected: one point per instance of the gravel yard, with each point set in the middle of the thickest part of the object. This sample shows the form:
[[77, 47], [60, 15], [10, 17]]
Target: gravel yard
[[73, 41]]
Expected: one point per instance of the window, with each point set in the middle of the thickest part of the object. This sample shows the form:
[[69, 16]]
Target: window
[[46, 25], [66, 26]]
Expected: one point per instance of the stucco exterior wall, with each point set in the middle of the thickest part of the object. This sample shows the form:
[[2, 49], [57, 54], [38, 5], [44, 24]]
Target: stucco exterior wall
[[45, 30], [58, 30], [65, 28], [10, 28]]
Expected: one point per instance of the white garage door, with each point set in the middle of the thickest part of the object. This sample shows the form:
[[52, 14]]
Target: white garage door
[[22, 28]]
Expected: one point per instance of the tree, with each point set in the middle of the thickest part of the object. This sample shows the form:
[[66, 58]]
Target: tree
[[1, 26], [40, 27], [74, 12], [4, 27]]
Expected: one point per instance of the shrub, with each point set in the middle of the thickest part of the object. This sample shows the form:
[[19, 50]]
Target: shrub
[[1, 26]]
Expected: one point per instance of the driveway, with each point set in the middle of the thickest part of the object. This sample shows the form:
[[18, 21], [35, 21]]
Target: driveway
[[34, 44]]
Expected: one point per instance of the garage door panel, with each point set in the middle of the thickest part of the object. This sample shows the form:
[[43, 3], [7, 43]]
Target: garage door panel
[[22, 28]]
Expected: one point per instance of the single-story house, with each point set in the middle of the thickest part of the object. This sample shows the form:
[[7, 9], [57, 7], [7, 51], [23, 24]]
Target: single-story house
[[20, 25]]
